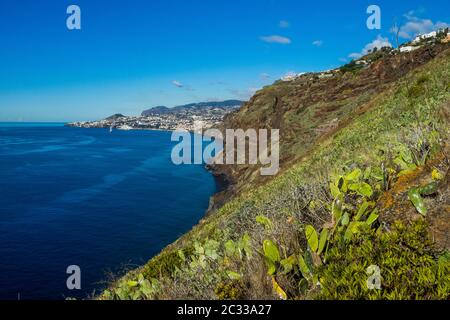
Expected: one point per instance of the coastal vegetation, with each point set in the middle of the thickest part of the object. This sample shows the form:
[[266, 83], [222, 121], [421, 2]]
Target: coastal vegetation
[[360, 209]]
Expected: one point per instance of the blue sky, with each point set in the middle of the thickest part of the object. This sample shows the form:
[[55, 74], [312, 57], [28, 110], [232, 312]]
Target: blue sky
[[135, 54]]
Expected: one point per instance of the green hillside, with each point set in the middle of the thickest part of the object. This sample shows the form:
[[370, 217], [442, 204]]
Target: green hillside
[[364, 185]]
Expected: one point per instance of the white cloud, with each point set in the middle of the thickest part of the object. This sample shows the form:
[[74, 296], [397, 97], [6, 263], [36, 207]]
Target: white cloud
[[401, 34], [252, 91], [181, 85], [318, 43], [284, 24], [355, 55], [290, 74], [264, 76], [415, 26], [276, 39], [243, 94], [379, 43], [217, 83], [177, 83]]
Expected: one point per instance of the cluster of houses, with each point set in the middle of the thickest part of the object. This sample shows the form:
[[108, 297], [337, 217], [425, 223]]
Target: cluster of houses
[[321, 75], [168, 122], [292, 76], [416, 43], [408, 47]]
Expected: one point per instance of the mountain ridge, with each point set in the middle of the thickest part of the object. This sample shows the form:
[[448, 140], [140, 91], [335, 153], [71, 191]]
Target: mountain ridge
[[199, 107]]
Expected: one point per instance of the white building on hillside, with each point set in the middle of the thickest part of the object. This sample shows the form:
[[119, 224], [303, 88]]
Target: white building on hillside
[[425, 36], [408, 49], [290, 76], [362, 62]]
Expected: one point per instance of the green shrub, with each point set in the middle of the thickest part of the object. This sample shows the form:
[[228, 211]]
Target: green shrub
[[351, 67], [418, 89], [409, 269], [230, 290], [165, 264]]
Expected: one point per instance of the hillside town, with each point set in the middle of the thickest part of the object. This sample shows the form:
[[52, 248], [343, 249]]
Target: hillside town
[[438, 36], [185, 117]]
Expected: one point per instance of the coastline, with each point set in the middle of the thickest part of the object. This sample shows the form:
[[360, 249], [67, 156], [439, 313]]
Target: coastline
[[222, 179], [117, 129], [222, 194]]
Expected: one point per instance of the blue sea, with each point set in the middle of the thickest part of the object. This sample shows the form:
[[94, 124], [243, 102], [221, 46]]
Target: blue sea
[[106, 202]]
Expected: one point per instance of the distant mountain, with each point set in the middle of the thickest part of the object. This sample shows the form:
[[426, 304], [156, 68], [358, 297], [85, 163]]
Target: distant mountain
[[194, 108], [214, 104], [156, 111], [115, 116]]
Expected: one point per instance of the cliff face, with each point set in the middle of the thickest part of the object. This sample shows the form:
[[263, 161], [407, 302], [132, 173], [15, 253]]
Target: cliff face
[[310, 109], [364, 185]]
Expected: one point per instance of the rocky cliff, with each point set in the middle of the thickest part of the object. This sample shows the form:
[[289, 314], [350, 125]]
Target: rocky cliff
[[359, 210]]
